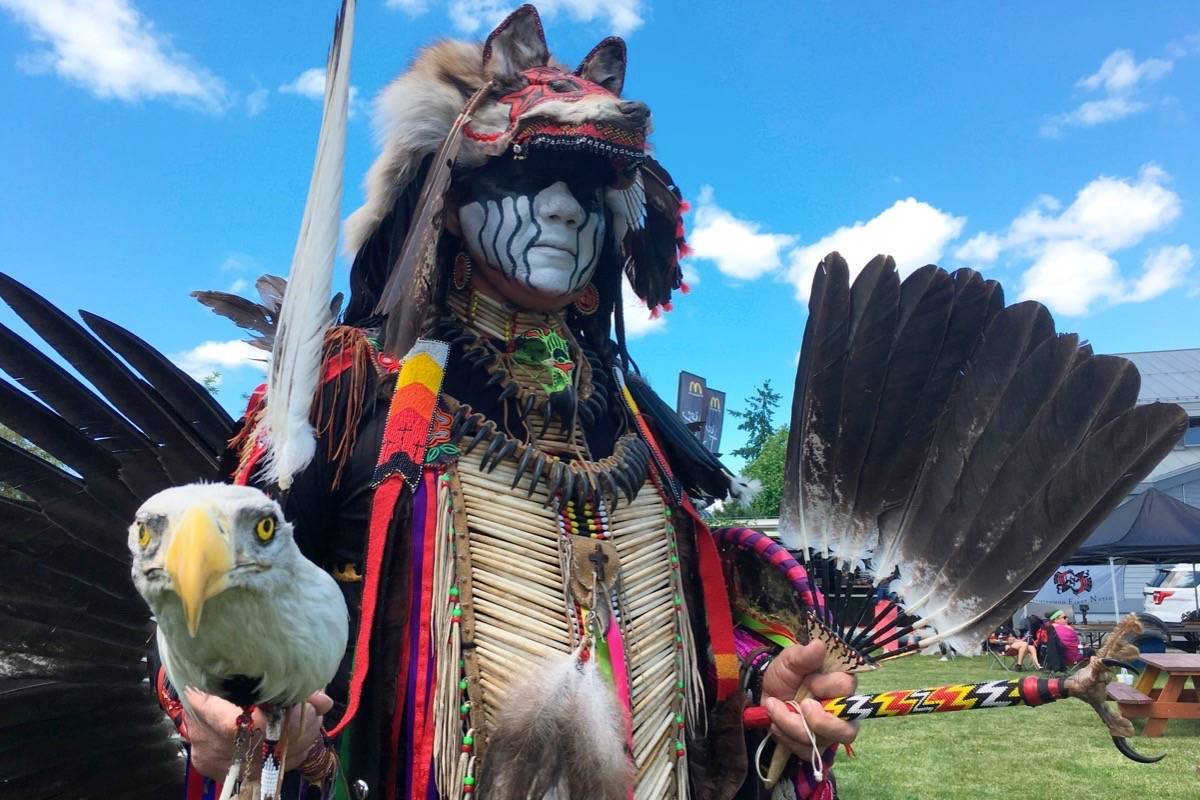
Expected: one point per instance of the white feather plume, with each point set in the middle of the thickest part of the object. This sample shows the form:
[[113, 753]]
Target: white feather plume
[[743, 489], [305, 316]]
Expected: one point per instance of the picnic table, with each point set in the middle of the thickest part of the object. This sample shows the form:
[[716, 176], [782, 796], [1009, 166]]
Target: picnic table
[[1172, 701]]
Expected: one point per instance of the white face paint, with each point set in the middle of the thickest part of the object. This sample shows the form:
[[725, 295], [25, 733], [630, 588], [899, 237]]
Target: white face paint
[[549, 243]]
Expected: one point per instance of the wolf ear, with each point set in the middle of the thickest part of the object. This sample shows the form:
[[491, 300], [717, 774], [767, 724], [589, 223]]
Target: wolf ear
[[517, 44], [605, 65]]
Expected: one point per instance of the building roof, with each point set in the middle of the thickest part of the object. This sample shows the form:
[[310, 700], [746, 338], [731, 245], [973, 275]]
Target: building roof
[[1171, 376], [1180, 461]]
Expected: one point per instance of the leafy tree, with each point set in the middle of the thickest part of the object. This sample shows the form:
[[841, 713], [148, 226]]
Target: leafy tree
[[10, 435], [212, 382], [768, 468], [757, 420]]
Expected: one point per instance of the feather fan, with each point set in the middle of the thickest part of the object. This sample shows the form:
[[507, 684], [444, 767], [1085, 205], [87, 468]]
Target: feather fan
[[304, 317], [952, 448]]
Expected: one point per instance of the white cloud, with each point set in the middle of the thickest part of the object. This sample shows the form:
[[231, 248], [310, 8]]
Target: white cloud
[[256, 101], [638, 320], [912, 232], [1071, 249], [1120, 72], [238, 286], [1069, 276], [411, 7], [110, 49], [480, 16], [311, 84], [738, 247], [1121, 78], [208, 357], [239, 262], [982, 248], [1110, 213], [1163, 270]]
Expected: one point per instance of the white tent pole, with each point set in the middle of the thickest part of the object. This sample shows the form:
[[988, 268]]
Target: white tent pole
[[1112, 576]]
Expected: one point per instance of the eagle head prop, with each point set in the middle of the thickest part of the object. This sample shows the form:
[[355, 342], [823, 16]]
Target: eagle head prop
[[241, 612]]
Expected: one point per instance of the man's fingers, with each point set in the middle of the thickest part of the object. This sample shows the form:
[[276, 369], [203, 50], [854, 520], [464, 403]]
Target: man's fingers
[[321, 702], [789, 728], [831, 684], [826, 726], [211, 711], [788, 669]]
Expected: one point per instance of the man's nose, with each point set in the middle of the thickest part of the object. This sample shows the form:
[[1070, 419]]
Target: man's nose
[[556, 204]]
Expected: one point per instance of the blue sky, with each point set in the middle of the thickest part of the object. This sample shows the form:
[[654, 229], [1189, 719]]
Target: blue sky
[[155, 148]]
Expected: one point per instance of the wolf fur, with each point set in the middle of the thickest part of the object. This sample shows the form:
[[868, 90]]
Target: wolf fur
[[558, 737], [415, 113]]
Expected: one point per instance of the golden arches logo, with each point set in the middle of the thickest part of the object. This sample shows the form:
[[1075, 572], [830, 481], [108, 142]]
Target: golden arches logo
[[696, 388], [714, 403]]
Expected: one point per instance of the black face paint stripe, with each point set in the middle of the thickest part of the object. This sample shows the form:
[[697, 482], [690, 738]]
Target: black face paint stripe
[[578, 264], [597, 244], [537, 227], [482, 228], [508, 251], [496, 236]]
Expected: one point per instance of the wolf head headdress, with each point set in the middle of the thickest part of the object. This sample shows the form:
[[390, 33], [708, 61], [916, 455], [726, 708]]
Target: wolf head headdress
[[460, 106]]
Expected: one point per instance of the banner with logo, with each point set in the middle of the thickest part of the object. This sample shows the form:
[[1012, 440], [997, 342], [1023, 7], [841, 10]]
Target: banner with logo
[[1073, 586], [691, 405], [714, 419]]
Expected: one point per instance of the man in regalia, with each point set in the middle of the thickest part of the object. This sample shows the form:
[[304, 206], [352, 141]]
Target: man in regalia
[[537, 609]]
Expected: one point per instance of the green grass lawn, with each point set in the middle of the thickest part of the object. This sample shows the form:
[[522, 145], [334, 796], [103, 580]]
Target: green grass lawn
[[1060, 751]]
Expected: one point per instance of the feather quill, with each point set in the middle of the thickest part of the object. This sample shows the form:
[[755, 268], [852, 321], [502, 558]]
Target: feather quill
[[304, 317]]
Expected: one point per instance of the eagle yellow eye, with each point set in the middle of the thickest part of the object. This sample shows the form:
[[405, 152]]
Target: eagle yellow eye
[[264, 529], [143, 532]]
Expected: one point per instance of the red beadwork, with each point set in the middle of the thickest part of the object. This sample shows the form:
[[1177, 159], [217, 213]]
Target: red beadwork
[[462, 271], [588, 301]]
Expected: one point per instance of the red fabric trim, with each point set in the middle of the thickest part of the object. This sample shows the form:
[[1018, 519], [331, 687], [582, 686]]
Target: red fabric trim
[[172, 705], [383, 506], [193, 788], [717, 611]]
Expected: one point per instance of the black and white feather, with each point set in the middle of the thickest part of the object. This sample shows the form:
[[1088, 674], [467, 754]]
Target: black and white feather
[[954, 446], [304, 316]]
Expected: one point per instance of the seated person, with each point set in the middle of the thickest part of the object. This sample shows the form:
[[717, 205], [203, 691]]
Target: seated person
[[1068, 653], [1019, 648]]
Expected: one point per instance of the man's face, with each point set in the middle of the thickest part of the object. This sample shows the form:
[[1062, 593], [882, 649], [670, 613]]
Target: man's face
[[537, 230]]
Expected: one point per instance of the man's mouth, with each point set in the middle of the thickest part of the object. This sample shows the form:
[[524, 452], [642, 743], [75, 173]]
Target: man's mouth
[[560, 248]]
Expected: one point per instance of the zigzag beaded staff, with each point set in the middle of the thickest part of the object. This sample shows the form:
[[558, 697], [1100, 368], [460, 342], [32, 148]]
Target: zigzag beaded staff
[[1027, 691], [845, 651]]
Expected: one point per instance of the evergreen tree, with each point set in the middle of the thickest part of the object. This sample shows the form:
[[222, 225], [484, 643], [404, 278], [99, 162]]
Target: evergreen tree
[[757, 420]]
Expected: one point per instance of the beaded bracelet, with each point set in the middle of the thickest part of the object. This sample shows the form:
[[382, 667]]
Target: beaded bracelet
[[756, 669], [320, 763]]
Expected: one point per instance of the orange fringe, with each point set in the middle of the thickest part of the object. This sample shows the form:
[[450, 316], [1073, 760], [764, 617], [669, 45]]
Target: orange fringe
[[348, 353]]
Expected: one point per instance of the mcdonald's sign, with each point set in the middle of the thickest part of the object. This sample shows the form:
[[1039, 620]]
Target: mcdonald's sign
[[701, 408], [714, 419]]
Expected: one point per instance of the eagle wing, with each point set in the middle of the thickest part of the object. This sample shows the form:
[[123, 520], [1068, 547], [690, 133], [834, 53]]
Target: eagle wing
[[78, 715], [954, 446]]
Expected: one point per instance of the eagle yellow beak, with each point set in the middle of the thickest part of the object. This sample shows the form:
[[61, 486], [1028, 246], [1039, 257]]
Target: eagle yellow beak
[[197, 561]]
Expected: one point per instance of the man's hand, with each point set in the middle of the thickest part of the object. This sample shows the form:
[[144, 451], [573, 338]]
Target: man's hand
[[796, 666], [212, 728]]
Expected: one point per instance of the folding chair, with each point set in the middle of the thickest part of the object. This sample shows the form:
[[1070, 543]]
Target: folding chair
[[996, 651]]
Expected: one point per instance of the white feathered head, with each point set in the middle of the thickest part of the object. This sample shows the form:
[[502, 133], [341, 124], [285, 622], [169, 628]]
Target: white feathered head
[[193, 543]]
